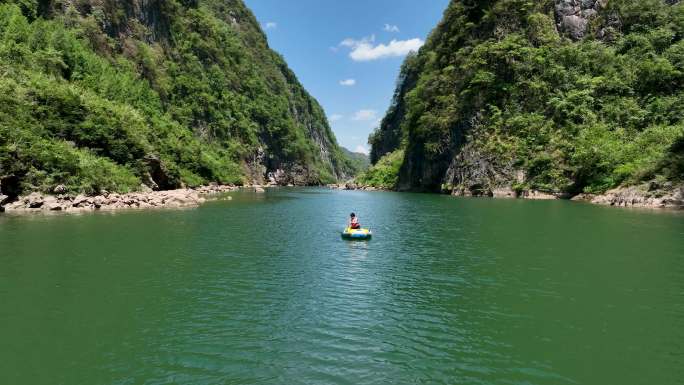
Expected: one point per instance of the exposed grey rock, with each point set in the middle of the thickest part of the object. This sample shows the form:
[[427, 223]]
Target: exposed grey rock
[[589, 13], [504, 192], [474, 172], [60, 189], [539, 195], [574, 25], [80, 200], [98, 201], [584, 197], [16, 205], [36, 202], [278, 177], [573, 16], [51, 203], [643, 196], [145, 188], [215, 189], [157, 176]]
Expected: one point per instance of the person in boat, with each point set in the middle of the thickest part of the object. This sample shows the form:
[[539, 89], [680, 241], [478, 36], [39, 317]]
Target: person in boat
[[354, 221]]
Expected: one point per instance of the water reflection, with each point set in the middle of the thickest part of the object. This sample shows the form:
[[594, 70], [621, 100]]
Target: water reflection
[[357, 249]]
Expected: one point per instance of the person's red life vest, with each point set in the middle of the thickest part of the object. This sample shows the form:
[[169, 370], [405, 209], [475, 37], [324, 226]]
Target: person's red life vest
[[355, 223]]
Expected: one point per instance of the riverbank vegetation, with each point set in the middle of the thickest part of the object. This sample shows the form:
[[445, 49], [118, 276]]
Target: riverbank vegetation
[[541, 95], [99, 95]]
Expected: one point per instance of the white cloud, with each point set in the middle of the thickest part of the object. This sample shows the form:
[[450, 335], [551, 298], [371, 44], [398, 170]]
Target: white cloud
[[271, 25], [366, 49], [365, 115], [335, 117], [391, 28], [351, 43], [348, 82], [362, 149]]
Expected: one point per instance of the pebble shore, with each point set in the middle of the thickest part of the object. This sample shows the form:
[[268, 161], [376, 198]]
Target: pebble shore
[[188, 197]]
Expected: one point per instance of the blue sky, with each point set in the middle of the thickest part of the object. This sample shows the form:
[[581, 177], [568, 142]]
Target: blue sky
[[347, 53]]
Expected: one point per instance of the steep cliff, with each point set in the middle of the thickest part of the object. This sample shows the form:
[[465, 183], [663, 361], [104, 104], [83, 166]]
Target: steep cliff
[[106, 95], [564, 96]]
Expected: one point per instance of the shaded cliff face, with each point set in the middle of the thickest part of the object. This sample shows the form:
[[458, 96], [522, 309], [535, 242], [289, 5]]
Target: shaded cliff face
[[166, 93], [564, 96]]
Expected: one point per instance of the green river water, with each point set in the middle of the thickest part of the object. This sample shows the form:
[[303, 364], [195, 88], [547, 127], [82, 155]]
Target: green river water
[[262, 290]]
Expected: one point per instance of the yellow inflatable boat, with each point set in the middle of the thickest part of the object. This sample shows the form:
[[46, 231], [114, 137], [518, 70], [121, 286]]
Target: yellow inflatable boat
[[359, 234]]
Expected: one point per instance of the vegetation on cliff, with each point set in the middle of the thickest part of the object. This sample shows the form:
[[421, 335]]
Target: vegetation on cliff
[[563, 96], [106, 95], [384, 173]]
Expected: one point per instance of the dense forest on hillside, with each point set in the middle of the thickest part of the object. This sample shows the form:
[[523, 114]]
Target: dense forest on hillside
[[563, 96], [359, 160], [105, 95]]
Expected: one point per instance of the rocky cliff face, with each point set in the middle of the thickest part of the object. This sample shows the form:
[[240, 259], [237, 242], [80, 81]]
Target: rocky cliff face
[[513, 98], [389, 136], [573, 16], [189, 87]]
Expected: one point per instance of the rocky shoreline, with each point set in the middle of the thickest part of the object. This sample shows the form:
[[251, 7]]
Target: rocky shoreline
[[188, 197], [354, 186], [643, 196], [650, 195]]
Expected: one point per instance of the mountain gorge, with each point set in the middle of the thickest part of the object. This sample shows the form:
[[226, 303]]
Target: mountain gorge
[[124, 95], [558, 98]]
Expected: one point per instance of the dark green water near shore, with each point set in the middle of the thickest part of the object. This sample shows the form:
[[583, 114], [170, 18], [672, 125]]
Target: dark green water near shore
[[261, 289]]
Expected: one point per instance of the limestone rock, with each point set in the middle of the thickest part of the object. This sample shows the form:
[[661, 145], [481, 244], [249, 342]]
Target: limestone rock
[[573, 16], [277, 177], [60, 189], [16, 205], [79, 201], [157, 176], [504, 192], [51, 203], [643, 196], [575, 25], [34, 200], [538, 195], [583, 197]]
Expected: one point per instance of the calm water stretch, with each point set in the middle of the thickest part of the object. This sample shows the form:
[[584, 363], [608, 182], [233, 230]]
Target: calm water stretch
[[262, 290]]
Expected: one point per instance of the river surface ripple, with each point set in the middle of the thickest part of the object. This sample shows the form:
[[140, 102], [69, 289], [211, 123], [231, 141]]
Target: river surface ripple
[[262, 290]]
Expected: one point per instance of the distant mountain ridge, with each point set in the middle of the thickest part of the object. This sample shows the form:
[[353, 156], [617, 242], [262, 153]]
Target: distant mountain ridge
[[559, 96], [109, 95], [360, 160]]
